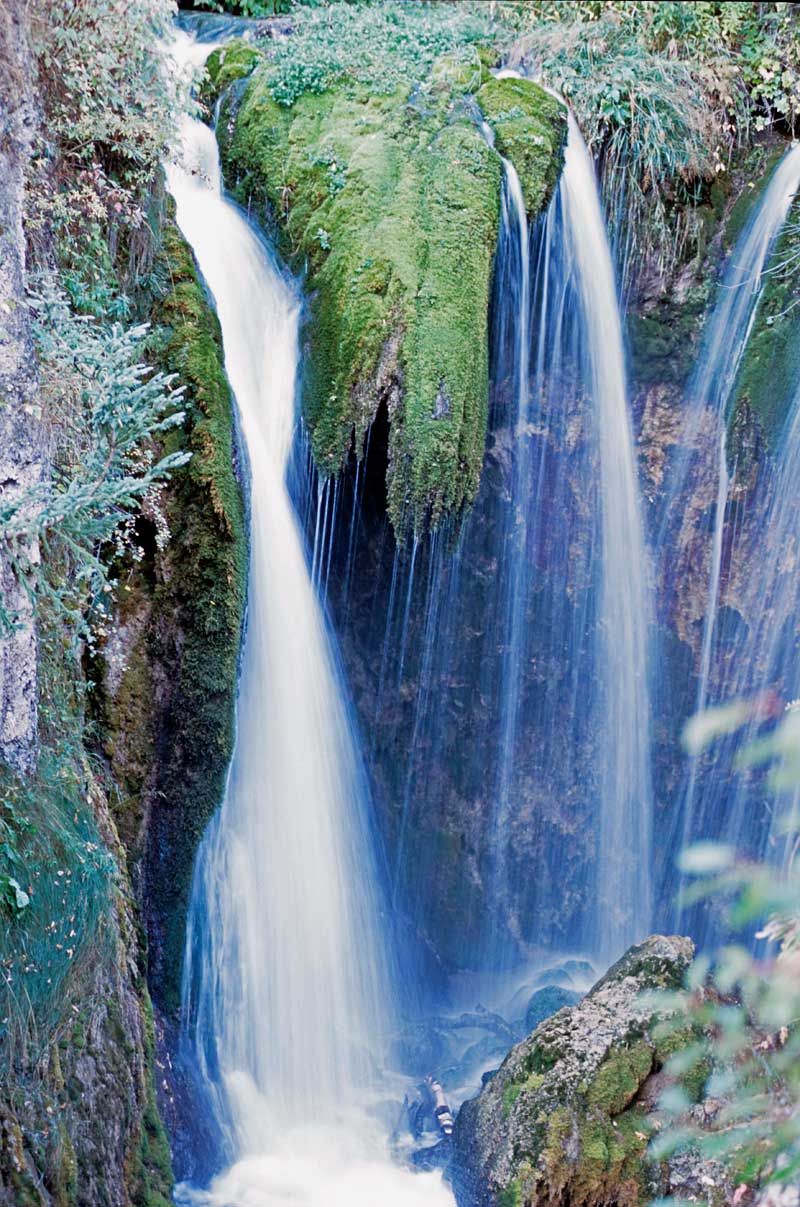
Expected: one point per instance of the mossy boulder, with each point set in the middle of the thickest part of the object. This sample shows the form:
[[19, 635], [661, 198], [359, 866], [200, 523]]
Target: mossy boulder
[[224, 66], [530, 129], [391, 204], [562, 1121]]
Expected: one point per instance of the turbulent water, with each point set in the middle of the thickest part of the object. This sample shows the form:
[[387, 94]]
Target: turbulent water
[[287, 985]]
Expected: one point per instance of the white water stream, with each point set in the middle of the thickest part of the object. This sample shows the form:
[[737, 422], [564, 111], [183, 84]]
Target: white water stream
[[573, 340], [624, 833], [286, 976]]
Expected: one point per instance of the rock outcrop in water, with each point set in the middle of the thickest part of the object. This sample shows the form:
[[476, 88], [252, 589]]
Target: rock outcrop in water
[[393, 203], [563, 1120]]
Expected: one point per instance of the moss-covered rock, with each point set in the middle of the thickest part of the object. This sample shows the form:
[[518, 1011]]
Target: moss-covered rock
[[171, 664], [78, 1118], [224, 66], [562, 1121], [198, 612], [391, 202], [530, 128]]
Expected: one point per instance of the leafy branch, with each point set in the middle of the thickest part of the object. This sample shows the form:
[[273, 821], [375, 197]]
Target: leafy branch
[[107, 412]]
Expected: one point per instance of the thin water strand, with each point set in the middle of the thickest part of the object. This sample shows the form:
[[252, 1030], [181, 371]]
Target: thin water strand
[[624, 854], [710, 393]]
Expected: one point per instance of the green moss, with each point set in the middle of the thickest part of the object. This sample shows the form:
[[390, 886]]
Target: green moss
[[607, 1160], [530, 128], [166, 713], [559, 1130], [593, 1150], [130, 734], [512, 1092], [59, 857], [150, 1178], [67, 1179], [664, 341], [620, 1077], [511, 1196], [233, 61], [757, 166], [692, 1066], [463, 76], [197, 609], [392, 204]]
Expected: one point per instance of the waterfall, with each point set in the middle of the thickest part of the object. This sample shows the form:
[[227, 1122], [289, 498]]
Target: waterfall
[[587, 297], [514, 255], [577, 346], [286, 978], [734, 804], [709, 396]]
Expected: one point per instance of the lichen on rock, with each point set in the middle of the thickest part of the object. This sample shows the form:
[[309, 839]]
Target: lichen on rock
[[561, 1121]]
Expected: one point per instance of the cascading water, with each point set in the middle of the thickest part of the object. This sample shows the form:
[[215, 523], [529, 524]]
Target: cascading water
[[286, 981], [579, 335], [737, 805], [514, 255], [710, 394], [581, 270]]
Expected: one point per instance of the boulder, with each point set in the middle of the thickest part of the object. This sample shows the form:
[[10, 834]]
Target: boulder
[[561, 1122]]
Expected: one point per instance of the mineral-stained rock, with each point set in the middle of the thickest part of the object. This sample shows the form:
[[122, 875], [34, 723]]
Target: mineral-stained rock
[[560, 1122]]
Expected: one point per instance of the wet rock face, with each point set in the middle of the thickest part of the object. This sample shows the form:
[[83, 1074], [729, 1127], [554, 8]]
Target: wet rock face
[[424, 641], [170, 667], [21, 436], [563, 1120]]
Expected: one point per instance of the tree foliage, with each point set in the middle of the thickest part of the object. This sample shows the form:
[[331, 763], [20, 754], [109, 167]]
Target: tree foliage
[[105, 410], [109, 101]]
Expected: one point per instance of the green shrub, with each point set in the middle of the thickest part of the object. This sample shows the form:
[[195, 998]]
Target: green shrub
[[664, 92], [379, 47], [110, 101]]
